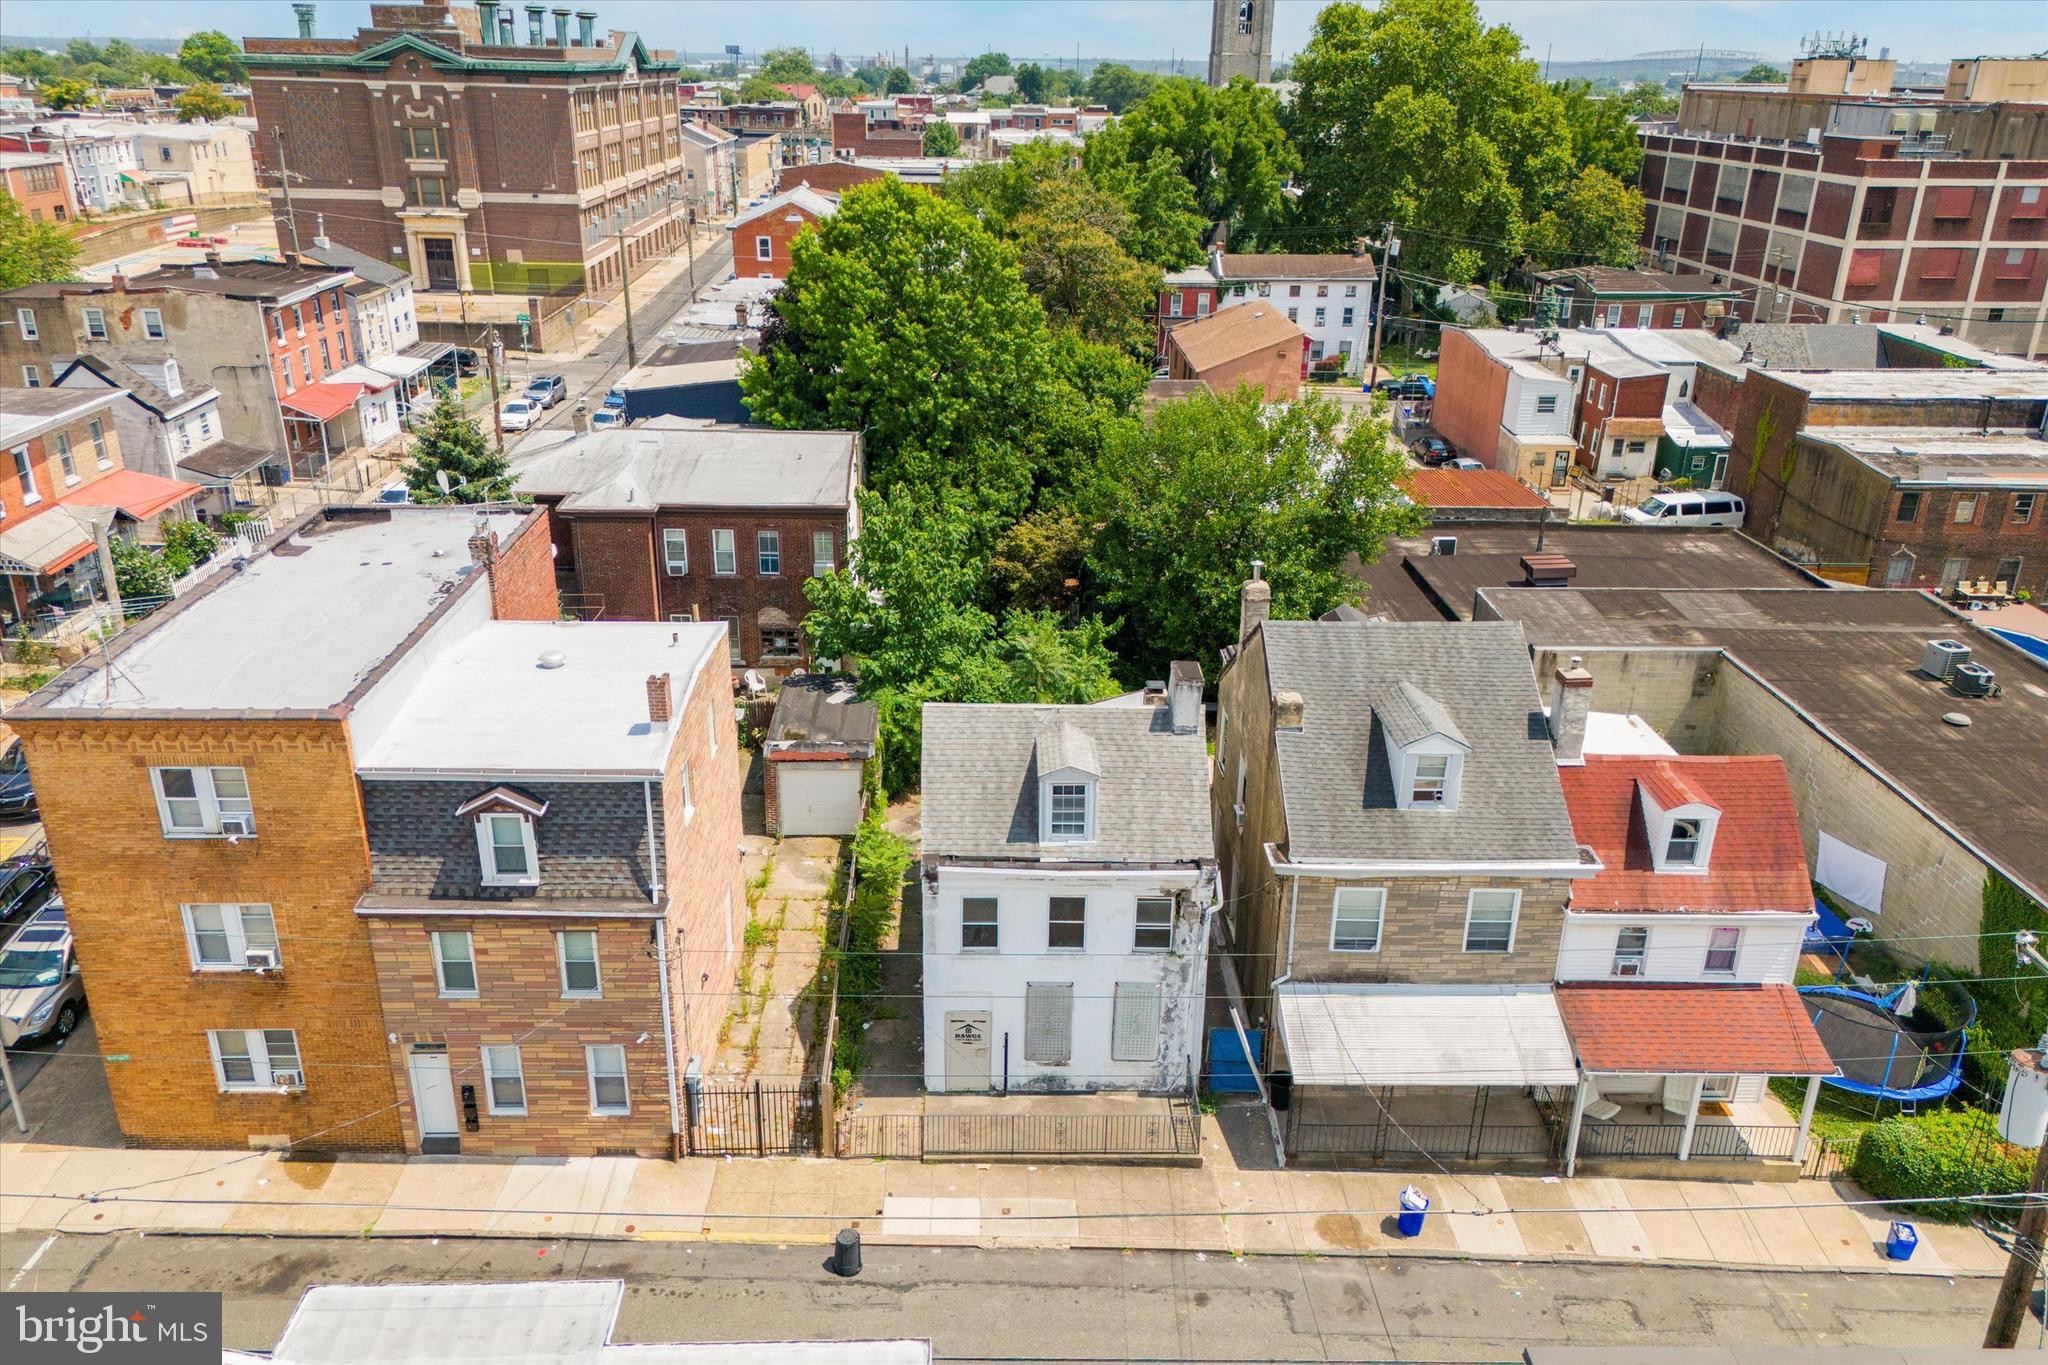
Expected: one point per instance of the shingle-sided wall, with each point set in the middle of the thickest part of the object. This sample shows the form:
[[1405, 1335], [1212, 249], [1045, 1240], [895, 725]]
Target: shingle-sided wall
[[1422, 938]]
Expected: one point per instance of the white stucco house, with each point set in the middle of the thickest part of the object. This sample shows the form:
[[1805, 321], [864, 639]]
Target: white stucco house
[[1069, 878]]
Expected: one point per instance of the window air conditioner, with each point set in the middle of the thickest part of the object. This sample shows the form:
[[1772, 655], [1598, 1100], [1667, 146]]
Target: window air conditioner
[[260, 959], [1628, 966], [288, 1080], [237, 825]]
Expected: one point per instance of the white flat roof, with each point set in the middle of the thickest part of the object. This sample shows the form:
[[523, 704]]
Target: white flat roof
[[1344, 1034], [487, 705], [302, 624]]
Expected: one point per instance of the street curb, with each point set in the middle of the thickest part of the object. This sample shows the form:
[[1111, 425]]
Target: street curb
[[875, 1239]]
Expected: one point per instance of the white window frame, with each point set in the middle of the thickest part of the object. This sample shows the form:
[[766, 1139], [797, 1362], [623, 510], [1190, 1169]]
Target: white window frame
[[31, 377], [822, 564], [25, 318], [153, 324], [435, 942], [590, 1069], [67, 462], [689, 795], [675, 551], [25, 475], [711, 726], [235, 925], [1377, 896], [1694, 832], [486, 850], [1139, 928], [95, 320], [206, 796], [256, 1048], [725, 554], [1431, 789], [1631, 960], [994, 922], [492, 1074], [1734, 950], [1080, 947], [768, 546], [596, 990], [764, 247], [1514, 916]]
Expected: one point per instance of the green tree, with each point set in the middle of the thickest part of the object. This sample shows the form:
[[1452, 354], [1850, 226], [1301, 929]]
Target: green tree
[[982, 67], [1763, 73], [65, 93], [203, 101], [139, 572], [1227, 144], [897, 82], [905, 319], [1598, 222], [1603, 134], [788, 65], [188, 544], [1415, 113], [32, 252], [1068, 248], [1165, 223], [212, 55], [941, 138], [760, 89], [1647, 101], [451, 442], [1118, 86], [1031, 82], [1039, 562], [871, 78], [1187, 500]]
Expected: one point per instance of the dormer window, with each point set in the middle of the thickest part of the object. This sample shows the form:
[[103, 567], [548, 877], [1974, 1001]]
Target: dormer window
[[1432, 778], [1682, 849], [1425, 750], [1677, 825], [507, 852], [1067, 774]]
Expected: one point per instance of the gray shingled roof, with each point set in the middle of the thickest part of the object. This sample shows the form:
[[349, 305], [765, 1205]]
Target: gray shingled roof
[[1409, 714], [1334, 773], [368, 268], [1062, 746], [981, 770]]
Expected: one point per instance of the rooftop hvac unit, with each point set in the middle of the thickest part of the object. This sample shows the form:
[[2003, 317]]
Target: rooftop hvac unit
[[1942, 657], [1443, 545], [1973, 680]]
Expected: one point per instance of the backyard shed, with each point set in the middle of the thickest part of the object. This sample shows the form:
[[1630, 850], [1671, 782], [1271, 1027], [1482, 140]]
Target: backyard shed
[[817, 744]]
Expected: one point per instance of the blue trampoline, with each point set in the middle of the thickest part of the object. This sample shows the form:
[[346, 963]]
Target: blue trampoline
[[1883, 1052]]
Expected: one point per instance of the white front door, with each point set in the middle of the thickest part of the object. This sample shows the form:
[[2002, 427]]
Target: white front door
[[967, 1051], [433, 1094]]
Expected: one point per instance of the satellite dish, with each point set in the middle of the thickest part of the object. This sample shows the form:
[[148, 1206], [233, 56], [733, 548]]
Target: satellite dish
[[441, 478]]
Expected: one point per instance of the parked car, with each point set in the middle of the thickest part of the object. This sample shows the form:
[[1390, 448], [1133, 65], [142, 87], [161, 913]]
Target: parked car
[[394, 492], [17, 793], [25, 885], [615, 399], [1687, 509], [1413, 385], [547, 389], [467, 361], [41, 990], [607, 417], [520, 413], [1434, 450], [1463, 462]]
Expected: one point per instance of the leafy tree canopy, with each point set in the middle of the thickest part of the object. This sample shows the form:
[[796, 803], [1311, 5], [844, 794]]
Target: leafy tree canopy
[[941, 138], [1763, 73], [212, 55], [759, 88], [1602, 133], [1228, 145], [789, 65], [1118, 86], [896, 82], [450, 441], [1599, 221], [203, 101], [32, 252], [1031, 82], [1647, 101], [65, 93], [982, 67], [1185, 501], [1068, 249]]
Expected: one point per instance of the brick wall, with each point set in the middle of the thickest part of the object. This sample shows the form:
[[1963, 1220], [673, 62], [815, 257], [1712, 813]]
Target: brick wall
[[1274, 371], [523, 573], [591, 842], [519, 1001], [615, 565], [1254, 899], [1471, 391], [778, 228], [707, 901], [124, 883]]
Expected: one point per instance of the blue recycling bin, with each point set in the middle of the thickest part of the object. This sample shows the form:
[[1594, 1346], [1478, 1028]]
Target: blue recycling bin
[[1414, 1204], [1900, 1241]]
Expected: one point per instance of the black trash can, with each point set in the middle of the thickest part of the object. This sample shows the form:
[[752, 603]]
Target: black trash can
[[1281, 1084], [846, 1253]]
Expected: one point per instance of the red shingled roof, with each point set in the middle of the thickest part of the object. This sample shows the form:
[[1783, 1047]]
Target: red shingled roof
[[1681, 1028], [1757, 861]]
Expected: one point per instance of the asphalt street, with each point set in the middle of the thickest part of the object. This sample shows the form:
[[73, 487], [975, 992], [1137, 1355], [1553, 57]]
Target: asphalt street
[[1061, 1305]]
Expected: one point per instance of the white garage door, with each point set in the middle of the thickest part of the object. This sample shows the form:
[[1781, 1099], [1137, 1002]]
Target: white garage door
[[819, 798]]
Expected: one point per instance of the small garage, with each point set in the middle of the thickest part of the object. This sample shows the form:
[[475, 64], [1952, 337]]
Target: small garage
[[819, 741]]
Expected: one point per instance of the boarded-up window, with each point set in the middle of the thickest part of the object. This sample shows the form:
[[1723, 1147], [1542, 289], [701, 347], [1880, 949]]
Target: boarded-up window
[[1954, 201], [1049, 1022], [1866, 267], [2015, 264], [1795, 195], [1135, 1035], [1938, 264]]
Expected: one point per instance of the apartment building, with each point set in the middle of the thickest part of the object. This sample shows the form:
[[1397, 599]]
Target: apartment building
[[670, 521], [761, 236], [100, 157], [40, 182], [323, 899], [1610, 296], [162, 424], [878, 127], [1329, 297], [498, 166], [196, 163], [710, 171], [1837, 197]]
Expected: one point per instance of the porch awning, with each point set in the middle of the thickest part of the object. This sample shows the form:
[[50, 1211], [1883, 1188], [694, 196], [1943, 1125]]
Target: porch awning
[[224, 460], [401, 366], [369, 377], [140, 495], [1341, 1034], [45, 543], [323, 402], [1687, 1029]]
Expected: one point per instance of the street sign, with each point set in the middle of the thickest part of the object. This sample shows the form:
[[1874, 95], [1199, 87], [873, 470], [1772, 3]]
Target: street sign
[[523, 319]]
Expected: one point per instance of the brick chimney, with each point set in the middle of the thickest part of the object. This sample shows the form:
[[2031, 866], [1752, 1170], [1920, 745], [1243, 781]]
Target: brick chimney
[[1288, 710], [483, 547], [660, 700], [1571, 700], [1184, 696], [1254, 602]]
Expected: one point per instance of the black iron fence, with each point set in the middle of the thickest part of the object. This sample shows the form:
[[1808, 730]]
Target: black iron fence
[[1172, 1130], [1395, 1142], [751, 1120], [1710, 1141]]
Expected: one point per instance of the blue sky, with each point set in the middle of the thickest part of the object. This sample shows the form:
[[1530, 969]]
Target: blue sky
[[1913, 29]]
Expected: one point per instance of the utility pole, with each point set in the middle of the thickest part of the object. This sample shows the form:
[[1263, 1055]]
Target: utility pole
[[626, 295], [284, 178], [2021, 1263], [1379, 312], [690, 244], [492, 352]]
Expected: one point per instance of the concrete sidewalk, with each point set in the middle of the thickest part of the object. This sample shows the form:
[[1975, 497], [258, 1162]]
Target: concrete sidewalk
[[1219, 1208]]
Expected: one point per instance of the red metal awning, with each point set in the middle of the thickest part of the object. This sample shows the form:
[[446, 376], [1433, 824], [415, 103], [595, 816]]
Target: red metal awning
[[322, 402], [140, 495], [1688, 1029]]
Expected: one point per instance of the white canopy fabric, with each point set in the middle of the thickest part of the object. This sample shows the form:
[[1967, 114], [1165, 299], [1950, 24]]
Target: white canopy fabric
[[401, 366], [1857, 877], [1340, 1034]]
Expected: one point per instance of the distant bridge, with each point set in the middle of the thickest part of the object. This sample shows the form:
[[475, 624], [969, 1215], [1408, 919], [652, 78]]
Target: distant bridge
[[1712, 54]]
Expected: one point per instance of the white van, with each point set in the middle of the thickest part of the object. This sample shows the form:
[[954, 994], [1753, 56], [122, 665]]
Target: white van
[[1687, 509]]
